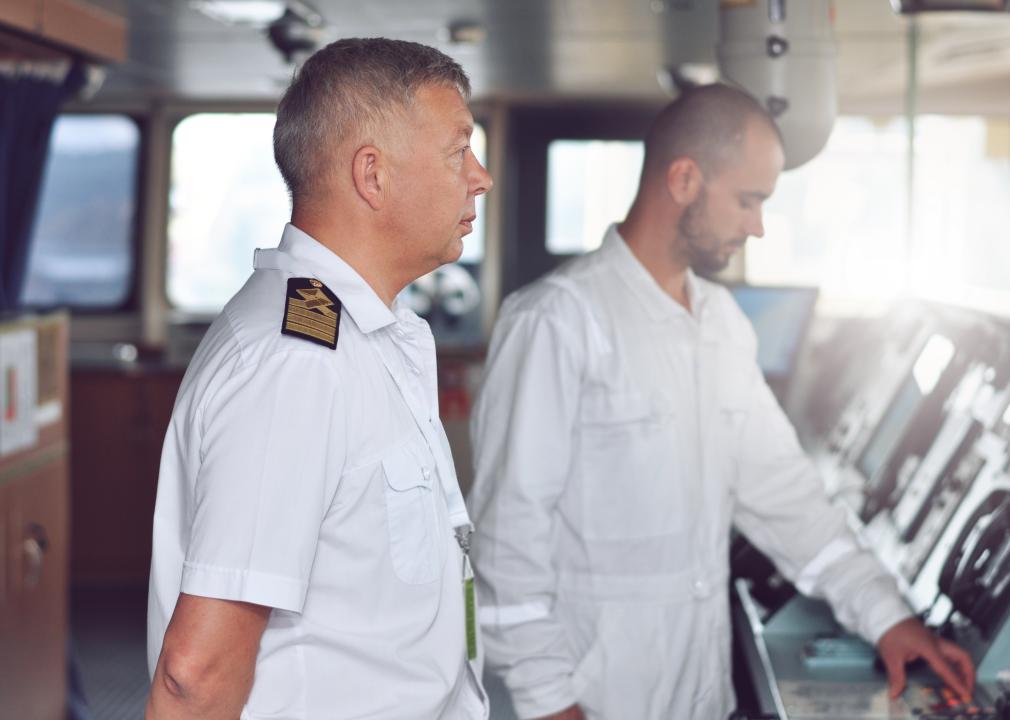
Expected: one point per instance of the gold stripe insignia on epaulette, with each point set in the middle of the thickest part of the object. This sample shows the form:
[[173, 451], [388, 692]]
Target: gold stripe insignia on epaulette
[[312, 312]]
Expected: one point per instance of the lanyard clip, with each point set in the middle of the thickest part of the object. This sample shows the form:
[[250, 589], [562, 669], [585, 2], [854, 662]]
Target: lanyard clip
[[463, 533]]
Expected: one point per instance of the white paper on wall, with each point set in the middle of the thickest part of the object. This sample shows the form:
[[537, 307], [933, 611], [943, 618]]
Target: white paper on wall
[[18, 388], [48, 413]]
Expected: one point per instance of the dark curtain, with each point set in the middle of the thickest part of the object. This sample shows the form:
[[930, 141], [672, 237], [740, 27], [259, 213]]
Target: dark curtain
[[29, 104]]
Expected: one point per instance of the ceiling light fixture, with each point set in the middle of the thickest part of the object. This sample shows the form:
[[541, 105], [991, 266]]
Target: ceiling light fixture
[[675, 79], [298, 32], [255, 13], [465, 32]]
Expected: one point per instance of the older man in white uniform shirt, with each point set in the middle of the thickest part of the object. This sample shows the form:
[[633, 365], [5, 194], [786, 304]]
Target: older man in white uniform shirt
[[624, 426], [305, 560]]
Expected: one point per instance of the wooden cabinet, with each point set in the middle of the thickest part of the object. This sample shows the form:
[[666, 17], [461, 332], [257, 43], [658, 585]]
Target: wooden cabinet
[[118, 426], [68, 25], [33, 657], [34, 536]]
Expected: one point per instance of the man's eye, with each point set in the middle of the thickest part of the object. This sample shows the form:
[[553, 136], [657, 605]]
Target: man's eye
[[462, 150]]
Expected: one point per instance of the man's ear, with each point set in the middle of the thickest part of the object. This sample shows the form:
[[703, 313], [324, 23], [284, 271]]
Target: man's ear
[[683, 180], [368, 171]]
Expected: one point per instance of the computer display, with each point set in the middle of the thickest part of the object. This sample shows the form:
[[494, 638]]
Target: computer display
[[923, 377], [780, 316], [890, 429]]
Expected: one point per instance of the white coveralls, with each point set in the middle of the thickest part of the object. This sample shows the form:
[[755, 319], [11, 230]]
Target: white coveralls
[[319, 482], [617, 438]]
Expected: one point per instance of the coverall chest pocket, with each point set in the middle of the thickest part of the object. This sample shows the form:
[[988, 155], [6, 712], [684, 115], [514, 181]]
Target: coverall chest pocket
[[412, 516], [630, 481], [732, 418]]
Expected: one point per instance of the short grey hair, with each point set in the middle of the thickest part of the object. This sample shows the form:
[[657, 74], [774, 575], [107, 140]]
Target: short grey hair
[[343, 92]]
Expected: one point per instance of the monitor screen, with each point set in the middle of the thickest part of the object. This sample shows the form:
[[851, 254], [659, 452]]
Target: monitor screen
[[780, 316], [920, 381], [889, 431]]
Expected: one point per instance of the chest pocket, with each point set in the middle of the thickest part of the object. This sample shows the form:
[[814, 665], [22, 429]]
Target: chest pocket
[[631, 409], [416, 545], [631, 484]]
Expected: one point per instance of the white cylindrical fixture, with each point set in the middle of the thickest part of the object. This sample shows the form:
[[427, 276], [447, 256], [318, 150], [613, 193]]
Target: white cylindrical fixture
[[783, 53]]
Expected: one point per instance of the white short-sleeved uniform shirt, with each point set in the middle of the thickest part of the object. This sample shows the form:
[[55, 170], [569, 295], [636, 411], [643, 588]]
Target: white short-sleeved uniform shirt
[[319, 482]]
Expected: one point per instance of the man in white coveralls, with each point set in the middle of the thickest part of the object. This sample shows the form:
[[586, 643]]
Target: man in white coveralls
[[624, 426], [305, 561]]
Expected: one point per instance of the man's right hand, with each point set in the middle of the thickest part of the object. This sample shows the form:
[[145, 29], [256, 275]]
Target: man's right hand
[[572, 713]]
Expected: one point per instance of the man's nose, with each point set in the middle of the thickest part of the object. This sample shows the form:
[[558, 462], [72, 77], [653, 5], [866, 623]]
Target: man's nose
[[480, 180], [757, 226]]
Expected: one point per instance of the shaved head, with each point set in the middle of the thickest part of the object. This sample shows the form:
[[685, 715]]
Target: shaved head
[[706, 124], [712, 158]]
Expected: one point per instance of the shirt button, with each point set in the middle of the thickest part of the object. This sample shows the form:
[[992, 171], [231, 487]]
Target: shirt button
[[700, 589], [426, 473]]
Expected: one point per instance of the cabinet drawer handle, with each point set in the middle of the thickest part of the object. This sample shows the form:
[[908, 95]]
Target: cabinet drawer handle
[[35, 546]]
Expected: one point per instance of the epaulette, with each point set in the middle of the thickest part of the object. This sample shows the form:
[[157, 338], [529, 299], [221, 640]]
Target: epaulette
[[312, 312]]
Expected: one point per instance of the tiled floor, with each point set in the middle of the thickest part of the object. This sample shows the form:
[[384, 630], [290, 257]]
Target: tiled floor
[[108, 627]]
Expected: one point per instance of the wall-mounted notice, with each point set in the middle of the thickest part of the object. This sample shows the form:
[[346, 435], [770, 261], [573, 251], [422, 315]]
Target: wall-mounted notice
[[51, 371], [18, 387]]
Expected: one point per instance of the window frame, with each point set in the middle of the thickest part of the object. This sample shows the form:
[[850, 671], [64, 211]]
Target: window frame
[[132, 299], [524, 254], [567, 255], [178, 316]]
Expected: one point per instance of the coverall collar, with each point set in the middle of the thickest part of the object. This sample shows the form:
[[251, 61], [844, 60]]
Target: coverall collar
[[658, 304]]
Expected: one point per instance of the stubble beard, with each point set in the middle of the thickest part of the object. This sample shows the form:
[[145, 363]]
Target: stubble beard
[[701, 247]]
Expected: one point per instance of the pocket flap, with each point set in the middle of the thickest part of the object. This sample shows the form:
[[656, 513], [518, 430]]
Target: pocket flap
[[407, 467], [606, 408]]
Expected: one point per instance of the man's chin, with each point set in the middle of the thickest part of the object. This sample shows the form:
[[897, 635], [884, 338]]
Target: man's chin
[[453, 251], [709, 265]]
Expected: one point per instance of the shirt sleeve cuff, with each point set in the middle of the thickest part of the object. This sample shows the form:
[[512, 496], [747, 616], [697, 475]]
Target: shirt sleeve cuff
[[543, 699], [885, 611], [275, 591]]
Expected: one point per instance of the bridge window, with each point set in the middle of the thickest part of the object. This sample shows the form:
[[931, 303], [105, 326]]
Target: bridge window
[[227, 198], [83, 249], [844, 221], [590, 184]]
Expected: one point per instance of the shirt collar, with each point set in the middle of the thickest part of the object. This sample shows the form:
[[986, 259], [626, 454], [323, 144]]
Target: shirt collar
[[658, 304], [301, 253]]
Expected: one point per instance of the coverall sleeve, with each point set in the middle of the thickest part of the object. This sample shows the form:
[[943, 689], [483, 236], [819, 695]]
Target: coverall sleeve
[[781, 506], [521, 428]]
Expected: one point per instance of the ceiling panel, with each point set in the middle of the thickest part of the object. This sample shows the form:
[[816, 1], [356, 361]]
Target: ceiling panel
[[562, 48]]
